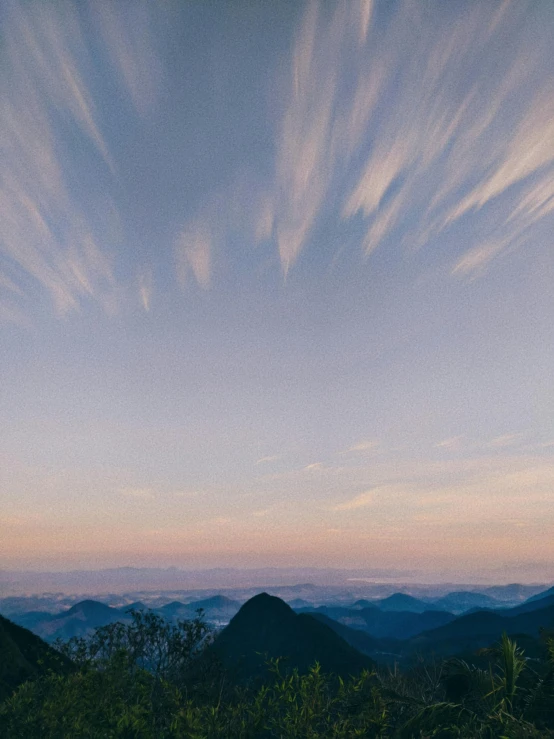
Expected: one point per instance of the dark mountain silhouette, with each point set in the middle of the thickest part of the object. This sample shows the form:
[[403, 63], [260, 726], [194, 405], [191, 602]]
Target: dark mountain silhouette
[[358, 639], [31, 619], [267, 628], [480, 629], [402, 624], [335, 612], [385, 624], [23, 655]]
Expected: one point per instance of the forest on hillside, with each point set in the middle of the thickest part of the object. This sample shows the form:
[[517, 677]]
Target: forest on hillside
[[150, 679]]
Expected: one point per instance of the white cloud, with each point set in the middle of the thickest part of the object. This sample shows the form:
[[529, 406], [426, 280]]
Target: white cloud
[[456, 121], [506, 440], [145, 288], [453, 442], [127, 32], [43, 232], [266, 460], [363, 500], [363, 446], [193, 251], [314, 467]]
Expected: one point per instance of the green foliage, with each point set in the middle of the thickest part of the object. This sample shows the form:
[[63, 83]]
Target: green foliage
[[142, 681]]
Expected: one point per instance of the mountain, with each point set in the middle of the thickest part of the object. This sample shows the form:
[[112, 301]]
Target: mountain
[[173, 610], [384, 624], [480, 629], [541, 595], [299, 603], [219, 607], [464, 600], [403, 602], [530, 605], [513, 593], [358, 639], [138, 606], [267, 628], [216, 609], [31, 619], [79, 620], [402, 624], [23, 655]]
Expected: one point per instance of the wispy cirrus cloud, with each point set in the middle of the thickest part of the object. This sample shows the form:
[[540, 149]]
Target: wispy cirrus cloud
[[451, 443], [363, 500], [266, 460], [127, 32], [193, 253], [506, 440], [44, 233], [438, 116], [146, 286], [369, 445]]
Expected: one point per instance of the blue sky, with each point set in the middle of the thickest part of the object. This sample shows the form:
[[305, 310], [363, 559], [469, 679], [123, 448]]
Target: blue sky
[[276, 285]]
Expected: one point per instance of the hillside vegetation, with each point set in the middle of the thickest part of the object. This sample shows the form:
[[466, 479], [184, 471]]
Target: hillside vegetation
[[270, 674]]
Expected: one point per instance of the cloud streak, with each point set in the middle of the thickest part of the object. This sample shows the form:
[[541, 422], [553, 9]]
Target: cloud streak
[[127, 34], [443, 111], [44, 233], [193, 253]]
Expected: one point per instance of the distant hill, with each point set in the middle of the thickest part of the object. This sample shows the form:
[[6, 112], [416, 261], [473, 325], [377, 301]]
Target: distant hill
[[384, 624], [31, 619], [215, 609], [173, 610], [531, 605], [299, 603], [138, 606], [358, 639], [82, 618], [480, 629], [266, 627], [513, 593], [460, 601], [23, 655], [217, 605], [363, 603], [79, 620], [403, 602], [541, 595]]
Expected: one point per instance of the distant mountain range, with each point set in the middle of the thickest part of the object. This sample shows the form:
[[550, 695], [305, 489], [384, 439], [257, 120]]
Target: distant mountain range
[[475, 630], [384, 624], [342, 640], [82, 618], [400, 624]]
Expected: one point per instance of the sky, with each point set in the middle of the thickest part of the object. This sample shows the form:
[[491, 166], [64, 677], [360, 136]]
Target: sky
[[277, 285]]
